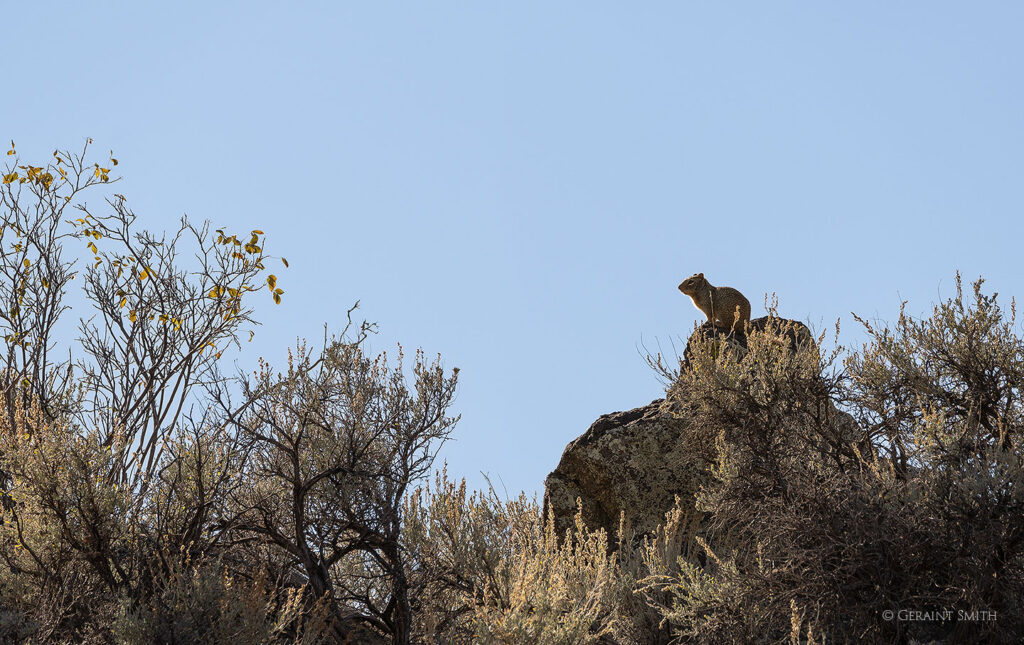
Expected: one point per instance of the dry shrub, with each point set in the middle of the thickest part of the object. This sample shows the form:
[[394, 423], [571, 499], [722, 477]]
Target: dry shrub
[[942, 396], [206, 603], [75, 562], [489, 571], [648, 566], [62, 520], [558, 591], [459, 543], [818, 529]]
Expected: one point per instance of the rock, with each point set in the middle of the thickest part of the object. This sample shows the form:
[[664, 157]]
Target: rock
[[796, 331], [626, 461], [637, 462]]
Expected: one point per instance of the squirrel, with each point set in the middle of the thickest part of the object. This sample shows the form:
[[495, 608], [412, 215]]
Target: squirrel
[[725, 307]]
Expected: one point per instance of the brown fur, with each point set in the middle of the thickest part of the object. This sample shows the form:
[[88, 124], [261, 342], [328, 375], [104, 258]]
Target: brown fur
[[725, 307]]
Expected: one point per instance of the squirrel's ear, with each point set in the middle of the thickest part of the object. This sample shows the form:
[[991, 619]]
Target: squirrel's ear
[[700, 275]]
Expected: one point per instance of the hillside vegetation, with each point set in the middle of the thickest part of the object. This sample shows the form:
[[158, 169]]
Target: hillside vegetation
[[149, 497]]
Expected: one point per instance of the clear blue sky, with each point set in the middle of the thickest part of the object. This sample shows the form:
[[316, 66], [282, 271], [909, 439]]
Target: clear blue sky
[[521, 188]]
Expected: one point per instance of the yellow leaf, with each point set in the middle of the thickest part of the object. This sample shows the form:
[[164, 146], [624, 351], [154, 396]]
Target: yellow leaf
[[285, 262], [92, 247], [272, 281], [27, 263], [277, 298], [131, 315], [124, 301], [143, 274], [278, 291], [257, 232]]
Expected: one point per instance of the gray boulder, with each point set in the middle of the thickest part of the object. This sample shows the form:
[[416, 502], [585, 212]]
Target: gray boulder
[[637, 462], [632, 462]]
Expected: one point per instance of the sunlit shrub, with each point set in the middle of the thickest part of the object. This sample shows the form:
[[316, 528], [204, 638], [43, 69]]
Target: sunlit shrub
[[204, 603], [62, 526]]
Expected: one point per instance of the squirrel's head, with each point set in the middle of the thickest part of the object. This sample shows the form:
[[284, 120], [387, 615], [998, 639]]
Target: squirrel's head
[[692, 284]]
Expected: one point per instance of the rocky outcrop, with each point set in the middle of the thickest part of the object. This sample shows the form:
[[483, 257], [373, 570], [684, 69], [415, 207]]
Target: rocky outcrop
[[626, 461], [637, 461]]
